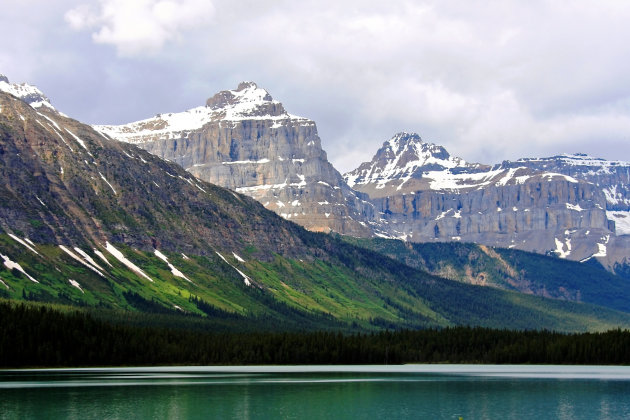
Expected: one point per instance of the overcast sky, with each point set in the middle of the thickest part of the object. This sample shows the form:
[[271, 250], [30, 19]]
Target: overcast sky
[[489, 80]]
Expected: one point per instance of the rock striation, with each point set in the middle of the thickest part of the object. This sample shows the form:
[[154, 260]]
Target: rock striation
[[245, 140]]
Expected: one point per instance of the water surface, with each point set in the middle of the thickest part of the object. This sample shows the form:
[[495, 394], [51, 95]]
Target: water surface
[[299, 392]]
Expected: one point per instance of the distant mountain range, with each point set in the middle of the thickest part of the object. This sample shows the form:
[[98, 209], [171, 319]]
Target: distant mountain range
[[88, 220], [571, 206]]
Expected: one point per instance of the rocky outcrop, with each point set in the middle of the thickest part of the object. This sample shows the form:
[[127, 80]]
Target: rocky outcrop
[[246, 141]]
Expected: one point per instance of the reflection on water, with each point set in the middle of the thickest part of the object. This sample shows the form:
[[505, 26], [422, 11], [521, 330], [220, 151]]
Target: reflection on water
[[414, 391]]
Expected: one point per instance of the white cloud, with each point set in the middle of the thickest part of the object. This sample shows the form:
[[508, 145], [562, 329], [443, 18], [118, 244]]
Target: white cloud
[[491, 80], [139, 27]]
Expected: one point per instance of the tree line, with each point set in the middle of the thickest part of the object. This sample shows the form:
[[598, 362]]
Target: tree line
[[43, 336]]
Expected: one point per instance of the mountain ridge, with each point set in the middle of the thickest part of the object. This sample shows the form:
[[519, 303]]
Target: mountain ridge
[[411, 190]]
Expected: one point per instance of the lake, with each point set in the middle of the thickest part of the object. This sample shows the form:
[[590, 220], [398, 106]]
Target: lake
[[326, 392]]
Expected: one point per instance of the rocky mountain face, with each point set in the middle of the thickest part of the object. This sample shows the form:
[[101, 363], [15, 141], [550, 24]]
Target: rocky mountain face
[[612, 177], [244, 140], [575, 207], [546, 206]]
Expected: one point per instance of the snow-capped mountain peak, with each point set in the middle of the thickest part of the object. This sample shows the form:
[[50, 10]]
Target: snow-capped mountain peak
[[246, 102], [401, 158], [409, 150], [28, 93], [245, 140], [246, 92]]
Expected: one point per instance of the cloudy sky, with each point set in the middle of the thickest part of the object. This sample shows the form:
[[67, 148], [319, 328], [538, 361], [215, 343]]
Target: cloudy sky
[[489, 80]]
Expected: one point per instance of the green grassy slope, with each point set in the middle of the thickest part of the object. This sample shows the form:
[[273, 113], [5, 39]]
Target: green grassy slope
[[354, 287]]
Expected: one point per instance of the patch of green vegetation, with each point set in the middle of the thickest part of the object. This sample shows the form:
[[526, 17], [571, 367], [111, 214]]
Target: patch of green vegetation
[[36, 223], [352, 287]]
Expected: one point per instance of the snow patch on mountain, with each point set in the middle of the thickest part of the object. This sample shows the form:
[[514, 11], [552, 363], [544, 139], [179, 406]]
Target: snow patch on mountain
[[81, 142], [14, 265], [614, 195], [23, 243], [563, 249], [120, 257], [602, 247], [76, 284], [85, 262], [622, 221], [173, 269], [87, 257], [107, 182], [246, 279], [597, 166]]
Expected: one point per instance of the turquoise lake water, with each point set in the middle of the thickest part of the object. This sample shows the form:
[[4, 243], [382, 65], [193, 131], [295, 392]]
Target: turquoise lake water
[[321, 392]]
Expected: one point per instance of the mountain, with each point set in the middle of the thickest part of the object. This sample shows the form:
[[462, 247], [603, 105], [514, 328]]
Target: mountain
[[245, 140], [89, 221], [549, 206]]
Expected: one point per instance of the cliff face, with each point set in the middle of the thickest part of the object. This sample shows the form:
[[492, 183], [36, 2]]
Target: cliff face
[[246, 141], [423, 194], [613, 177], [528, 216]]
